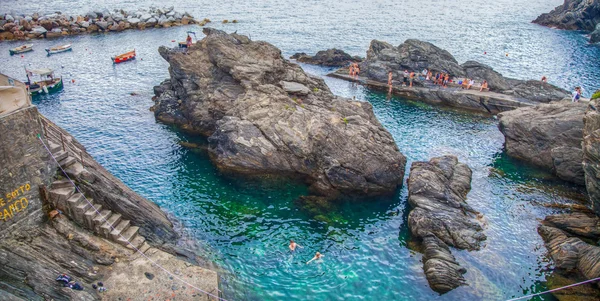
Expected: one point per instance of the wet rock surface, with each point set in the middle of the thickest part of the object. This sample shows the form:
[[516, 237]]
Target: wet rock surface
[[437, 192], [264, 115], [548, 136], [573, 15], [329, 58]]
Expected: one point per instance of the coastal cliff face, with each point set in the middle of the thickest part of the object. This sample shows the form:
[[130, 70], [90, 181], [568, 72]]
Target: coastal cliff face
[[441, 217], [263, 114], [549, 136], [591, 152], [415, 55], [573, 15]]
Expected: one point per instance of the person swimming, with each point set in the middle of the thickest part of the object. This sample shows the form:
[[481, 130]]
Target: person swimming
[[294, 245], [317, 256]]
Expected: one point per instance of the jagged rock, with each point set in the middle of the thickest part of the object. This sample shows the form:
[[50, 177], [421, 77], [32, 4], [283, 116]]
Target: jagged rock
[[229, 88], [133, 21], [547, 135], [91, 15], [591, 151], [151, 21], [102, 24], [595, 36], [39, 30], [294, 88], [85, 24], [573, 15], [9, 18], [437, 192], [145, 17], [330, 58], [415, 55], [93, 28]]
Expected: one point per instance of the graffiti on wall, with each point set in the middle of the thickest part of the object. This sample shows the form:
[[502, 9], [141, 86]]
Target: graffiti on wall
[[14, 202]]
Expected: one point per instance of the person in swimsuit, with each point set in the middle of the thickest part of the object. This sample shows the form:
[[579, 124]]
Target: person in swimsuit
[[576, 94], [544, 79], [484, 85], [411, 78], [405, 78], [471, 83], [356, 70], [317, 256], [446, 78], [294, 245]]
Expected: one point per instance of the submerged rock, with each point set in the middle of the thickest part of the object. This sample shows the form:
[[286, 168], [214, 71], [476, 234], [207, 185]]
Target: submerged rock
[[591, 151], [573, 15], [437, 192], [547, 135], [263, 114], [329, 58]]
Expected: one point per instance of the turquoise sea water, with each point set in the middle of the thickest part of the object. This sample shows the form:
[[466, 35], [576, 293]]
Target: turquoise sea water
[[244, 224]]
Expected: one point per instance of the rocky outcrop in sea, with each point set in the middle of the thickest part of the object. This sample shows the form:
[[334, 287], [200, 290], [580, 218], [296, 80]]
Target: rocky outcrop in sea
[[549, 136], [21, 26], [328, 58], [591, 151], [573, 15], [441, 217], [415, 55], [265, 115]]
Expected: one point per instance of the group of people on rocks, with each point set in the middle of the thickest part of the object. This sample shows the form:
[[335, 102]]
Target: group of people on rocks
[[354, 70], [440, 78]]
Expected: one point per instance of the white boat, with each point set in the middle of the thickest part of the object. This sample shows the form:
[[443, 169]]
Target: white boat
[[21, 49], [58, 49]]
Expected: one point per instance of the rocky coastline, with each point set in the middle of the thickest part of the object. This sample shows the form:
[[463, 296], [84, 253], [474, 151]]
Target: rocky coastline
[[328, 58], [441, 218], [37, 26], [413, 55], [591, 151], [265, 115], [575, 15]]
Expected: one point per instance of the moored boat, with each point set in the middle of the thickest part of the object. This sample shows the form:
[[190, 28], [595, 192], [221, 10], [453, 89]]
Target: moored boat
[[124, 57], [47, 84], [21, 49], [59, 49]]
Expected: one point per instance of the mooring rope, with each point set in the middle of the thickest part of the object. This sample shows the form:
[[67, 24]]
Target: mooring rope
[[556, 289], [112, 228]]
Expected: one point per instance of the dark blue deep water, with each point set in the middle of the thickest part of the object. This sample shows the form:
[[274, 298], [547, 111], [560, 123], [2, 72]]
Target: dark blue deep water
[[244, 224]]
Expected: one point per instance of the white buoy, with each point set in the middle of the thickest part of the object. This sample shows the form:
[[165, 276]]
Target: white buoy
[[45, 89]]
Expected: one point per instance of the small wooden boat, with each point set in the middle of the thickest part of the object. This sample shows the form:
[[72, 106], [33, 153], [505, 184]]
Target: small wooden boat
[[124, 57], [58, 49], [21, 49], [47, 84]]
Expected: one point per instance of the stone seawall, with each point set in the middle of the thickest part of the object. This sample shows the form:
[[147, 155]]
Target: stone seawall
[[36, 26], [25, 165]]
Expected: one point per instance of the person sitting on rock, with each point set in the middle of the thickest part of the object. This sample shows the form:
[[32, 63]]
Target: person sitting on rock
[[484, 86], [405, 78], [464, 83], [317, 256], [576, 94], [471, 83]]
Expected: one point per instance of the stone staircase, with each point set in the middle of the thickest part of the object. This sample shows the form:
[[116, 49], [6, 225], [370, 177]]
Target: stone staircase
[[102, 221]]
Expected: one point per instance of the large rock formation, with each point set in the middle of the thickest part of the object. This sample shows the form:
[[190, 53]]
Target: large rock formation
[[547, 135], [415, 55], [591, 151], [572, 256], [437, 192], [595, 36], [263, 114], [573, 15], [329, 58]]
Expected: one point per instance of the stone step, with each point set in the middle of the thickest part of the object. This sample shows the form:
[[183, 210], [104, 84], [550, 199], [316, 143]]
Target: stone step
[[72, 204], [107, 227], [145, 246], [64, 183], [66, 162], [80, 211], [60, 155], [75, 170], [122, 226], [128, 235], [54, 147], [59, 197], [100, 219], [137, 242], [90, 214]]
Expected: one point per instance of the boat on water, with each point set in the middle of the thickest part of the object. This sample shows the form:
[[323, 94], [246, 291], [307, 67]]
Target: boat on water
[[47, 83], [21, 49], [128, 56], [59, 49]]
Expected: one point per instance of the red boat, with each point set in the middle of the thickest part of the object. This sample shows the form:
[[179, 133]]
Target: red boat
[[124, 57]]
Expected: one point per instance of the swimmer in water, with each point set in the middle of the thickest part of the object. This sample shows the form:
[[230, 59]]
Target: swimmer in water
[[294, 245], [317, 256]]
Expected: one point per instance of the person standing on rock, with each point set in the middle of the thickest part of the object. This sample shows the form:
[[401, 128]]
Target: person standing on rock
[[356, 70], [405, 78], [390, 80], [412, 78], [188, 43], [576, 94]]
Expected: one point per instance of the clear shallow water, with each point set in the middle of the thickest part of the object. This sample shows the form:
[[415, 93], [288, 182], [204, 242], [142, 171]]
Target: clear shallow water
[[245, 224]]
